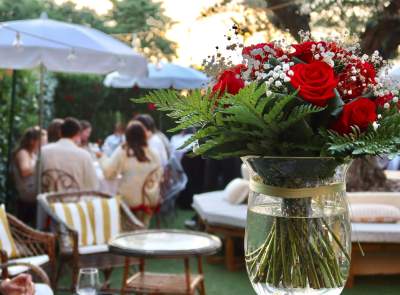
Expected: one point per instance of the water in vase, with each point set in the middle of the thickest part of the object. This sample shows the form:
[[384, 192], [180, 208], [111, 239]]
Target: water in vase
[[287, 255]]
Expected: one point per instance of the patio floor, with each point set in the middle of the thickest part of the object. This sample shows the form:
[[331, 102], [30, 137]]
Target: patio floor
[[221, 282]]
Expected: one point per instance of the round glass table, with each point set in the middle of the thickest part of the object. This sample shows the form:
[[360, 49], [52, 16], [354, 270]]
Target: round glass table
[[165, 244]]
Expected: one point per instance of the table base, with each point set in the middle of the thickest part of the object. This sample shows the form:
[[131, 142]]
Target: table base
[[159, 283], [163, 283]]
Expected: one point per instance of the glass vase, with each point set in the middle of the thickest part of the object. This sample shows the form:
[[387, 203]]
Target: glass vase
[[298, 228]]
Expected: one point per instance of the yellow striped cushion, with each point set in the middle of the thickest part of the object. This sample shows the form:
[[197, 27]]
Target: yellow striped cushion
[[6, 240], [105, 219], [76, 216]]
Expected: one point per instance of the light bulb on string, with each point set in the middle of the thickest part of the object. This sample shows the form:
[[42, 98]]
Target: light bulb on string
[[17, 43], [72, 55], [121, 62]]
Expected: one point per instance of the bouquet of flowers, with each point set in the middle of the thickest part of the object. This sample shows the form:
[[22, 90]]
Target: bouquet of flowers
[[315, 98], [311, 99]]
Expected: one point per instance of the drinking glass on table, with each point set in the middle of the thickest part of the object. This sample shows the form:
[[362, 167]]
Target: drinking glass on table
[[88, 281]]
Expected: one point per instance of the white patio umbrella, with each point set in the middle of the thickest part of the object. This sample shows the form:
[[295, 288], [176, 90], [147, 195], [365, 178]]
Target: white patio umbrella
[[64, 47], [163, 75]]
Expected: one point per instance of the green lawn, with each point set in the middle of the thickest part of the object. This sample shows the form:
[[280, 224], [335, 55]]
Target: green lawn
[[221, 282]]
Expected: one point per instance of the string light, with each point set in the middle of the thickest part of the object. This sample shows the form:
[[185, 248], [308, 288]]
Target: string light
[[72, 55], [17, 43], [121, 62]]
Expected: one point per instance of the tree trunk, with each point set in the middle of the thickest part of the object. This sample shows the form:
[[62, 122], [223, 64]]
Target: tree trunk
[[367, 174], [383, 33], [286, 16]]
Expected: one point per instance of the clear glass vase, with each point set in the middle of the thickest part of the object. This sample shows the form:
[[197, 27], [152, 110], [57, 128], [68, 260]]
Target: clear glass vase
[[298, 228]]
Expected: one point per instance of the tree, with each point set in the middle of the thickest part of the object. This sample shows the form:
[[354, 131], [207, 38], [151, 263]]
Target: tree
[[375, 23], [370, 20], [143, 23]]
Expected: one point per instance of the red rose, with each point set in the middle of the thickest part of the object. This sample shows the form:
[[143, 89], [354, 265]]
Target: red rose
[[355, 79], [360, 112], [266, 48], [315, 81], [303, 50], [230, 81]]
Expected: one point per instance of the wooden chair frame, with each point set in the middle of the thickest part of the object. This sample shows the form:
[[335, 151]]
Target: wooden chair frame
[[36, 270], [69, 251], [54, 180], [29, 242]]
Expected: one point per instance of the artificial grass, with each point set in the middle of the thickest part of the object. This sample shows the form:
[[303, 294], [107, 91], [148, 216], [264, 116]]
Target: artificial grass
[[221, 282]]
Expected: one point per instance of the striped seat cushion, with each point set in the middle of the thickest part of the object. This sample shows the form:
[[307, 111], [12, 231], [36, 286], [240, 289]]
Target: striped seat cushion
[[76, 216], [105, 219], [7, 242]]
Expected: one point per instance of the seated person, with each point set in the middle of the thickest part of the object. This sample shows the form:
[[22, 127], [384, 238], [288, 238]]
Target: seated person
[[136, 163], [158, 142], [65, 155], [114, 140], [54, 130], [23, 285], [24, 171]]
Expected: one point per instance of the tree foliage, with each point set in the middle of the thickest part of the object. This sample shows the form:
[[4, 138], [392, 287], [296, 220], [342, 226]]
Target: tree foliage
[[367, 20]]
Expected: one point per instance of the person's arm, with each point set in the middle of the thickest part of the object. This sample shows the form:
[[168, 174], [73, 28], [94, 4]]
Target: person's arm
[[24, 163], [21, 284], [112, 166]]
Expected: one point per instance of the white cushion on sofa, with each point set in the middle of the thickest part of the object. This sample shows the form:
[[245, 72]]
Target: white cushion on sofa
[[237, 191], [214, 209]]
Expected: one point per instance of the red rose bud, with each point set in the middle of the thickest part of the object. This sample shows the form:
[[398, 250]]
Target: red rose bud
[[230, 81], [151, 106], [355, 79], [381, 100], [303, 50], [360, 112], [316, 82]]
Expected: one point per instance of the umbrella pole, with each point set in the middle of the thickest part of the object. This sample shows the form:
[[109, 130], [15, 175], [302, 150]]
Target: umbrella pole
[[11, 130], [40, 116]]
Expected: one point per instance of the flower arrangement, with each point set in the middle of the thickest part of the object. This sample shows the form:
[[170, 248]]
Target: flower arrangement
[[315, 98]]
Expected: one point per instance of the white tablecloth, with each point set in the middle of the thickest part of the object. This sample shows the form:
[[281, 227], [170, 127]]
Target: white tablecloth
[[108, 186]]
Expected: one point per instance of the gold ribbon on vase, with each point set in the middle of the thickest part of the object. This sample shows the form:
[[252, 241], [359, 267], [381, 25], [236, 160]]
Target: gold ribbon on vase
[[296, 193]]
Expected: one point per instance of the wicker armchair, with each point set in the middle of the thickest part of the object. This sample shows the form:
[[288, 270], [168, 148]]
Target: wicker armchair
[[33, 246], [54, 180], [67, 237]]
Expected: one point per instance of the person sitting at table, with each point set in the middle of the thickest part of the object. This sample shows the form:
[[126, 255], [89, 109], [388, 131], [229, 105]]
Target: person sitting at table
[[67, 157], [140, 169], [53, 130], [24, 171], [114, 140], [86, 131], [158, 142]]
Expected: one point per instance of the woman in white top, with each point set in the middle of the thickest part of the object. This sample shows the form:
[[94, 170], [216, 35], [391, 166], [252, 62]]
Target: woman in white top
[[140, 169], [24, 171]]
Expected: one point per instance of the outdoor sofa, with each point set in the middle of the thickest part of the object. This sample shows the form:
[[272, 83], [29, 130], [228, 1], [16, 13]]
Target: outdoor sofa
[[379, 241]]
